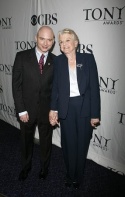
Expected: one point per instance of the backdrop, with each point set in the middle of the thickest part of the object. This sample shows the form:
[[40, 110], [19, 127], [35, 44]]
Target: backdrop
[[100, 26]]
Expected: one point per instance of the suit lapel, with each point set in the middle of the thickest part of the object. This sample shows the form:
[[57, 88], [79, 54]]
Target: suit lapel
[[33, 61], [35, 65], [65, 74], [48, 63], [81, 71]]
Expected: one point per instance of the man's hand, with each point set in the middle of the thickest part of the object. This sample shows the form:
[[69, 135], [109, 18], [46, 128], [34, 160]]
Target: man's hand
[[24, 118]]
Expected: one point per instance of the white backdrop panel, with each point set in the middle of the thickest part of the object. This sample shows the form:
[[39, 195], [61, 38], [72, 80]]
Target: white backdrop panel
[[100, 26]]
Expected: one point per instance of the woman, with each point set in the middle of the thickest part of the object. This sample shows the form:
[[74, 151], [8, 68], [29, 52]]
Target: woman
[[75, 104]]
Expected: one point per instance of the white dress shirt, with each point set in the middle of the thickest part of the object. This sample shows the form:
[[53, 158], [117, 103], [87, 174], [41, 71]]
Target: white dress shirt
[[74, 90]]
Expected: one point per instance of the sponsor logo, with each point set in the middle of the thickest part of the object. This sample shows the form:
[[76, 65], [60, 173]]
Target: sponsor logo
[[8, 109], [108, 16], [114, 170], [121, 118], [85, 48], [7, 69], [100, 142], [5, 23], [1, 89], [44, 19], [108, 85], [24, 45]]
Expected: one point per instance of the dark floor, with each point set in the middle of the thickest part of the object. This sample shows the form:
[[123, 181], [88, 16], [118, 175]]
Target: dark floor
[[98, 181]]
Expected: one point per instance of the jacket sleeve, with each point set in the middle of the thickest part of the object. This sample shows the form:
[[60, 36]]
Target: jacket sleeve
[[54, 95], [17, 84], [94, 88]]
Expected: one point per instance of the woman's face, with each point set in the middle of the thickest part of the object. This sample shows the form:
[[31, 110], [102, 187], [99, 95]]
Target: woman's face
[[67, 43]]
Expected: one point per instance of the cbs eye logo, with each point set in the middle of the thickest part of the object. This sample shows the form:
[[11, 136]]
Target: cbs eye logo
[[44, 19], [34, 20]]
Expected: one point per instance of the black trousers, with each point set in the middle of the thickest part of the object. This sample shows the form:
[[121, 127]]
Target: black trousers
[[76, 132], [27, 143]]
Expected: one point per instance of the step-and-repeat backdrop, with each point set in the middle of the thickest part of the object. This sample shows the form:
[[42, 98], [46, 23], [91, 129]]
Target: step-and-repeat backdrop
[[100, 26]]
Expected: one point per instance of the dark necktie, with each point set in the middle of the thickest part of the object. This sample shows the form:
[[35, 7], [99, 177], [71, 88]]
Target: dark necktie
[[41, 63]]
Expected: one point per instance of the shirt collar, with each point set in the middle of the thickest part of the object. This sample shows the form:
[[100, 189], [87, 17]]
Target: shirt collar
[[39, 53]]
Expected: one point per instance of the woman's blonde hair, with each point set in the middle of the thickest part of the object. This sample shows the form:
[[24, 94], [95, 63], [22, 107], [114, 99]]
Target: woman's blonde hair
[[69, 31]]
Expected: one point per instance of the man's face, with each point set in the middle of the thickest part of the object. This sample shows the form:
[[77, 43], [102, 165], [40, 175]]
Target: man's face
[[45, 40]]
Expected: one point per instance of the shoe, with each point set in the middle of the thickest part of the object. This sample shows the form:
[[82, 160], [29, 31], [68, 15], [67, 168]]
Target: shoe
[[67, 182], [23, 174], [43, 174], [76, 185]]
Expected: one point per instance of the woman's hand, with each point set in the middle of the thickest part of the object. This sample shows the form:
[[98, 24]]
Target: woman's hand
[[95, 122], [53, 117]]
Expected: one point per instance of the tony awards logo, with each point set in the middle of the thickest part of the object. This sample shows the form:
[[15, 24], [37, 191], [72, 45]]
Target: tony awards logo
[[108, 16]]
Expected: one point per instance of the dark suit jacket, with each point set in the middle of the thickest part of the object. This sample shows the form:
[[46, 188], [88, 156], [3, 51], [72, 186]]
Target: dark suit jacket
[[31, 90], [87, 77]]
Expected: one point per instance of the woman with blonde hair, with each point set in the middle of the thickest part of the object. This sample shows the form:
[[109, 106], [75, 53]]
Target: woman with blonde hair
[[75, 103]]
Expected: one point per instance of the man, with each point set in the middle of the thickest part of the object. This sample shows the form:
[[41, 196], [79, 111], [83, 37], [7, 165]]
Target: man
[[31, 86]]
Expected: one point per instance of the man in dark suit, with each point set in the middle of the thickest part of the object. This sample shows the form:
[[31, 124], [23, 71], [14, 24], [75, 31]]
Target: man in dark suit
[[31, 91]]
